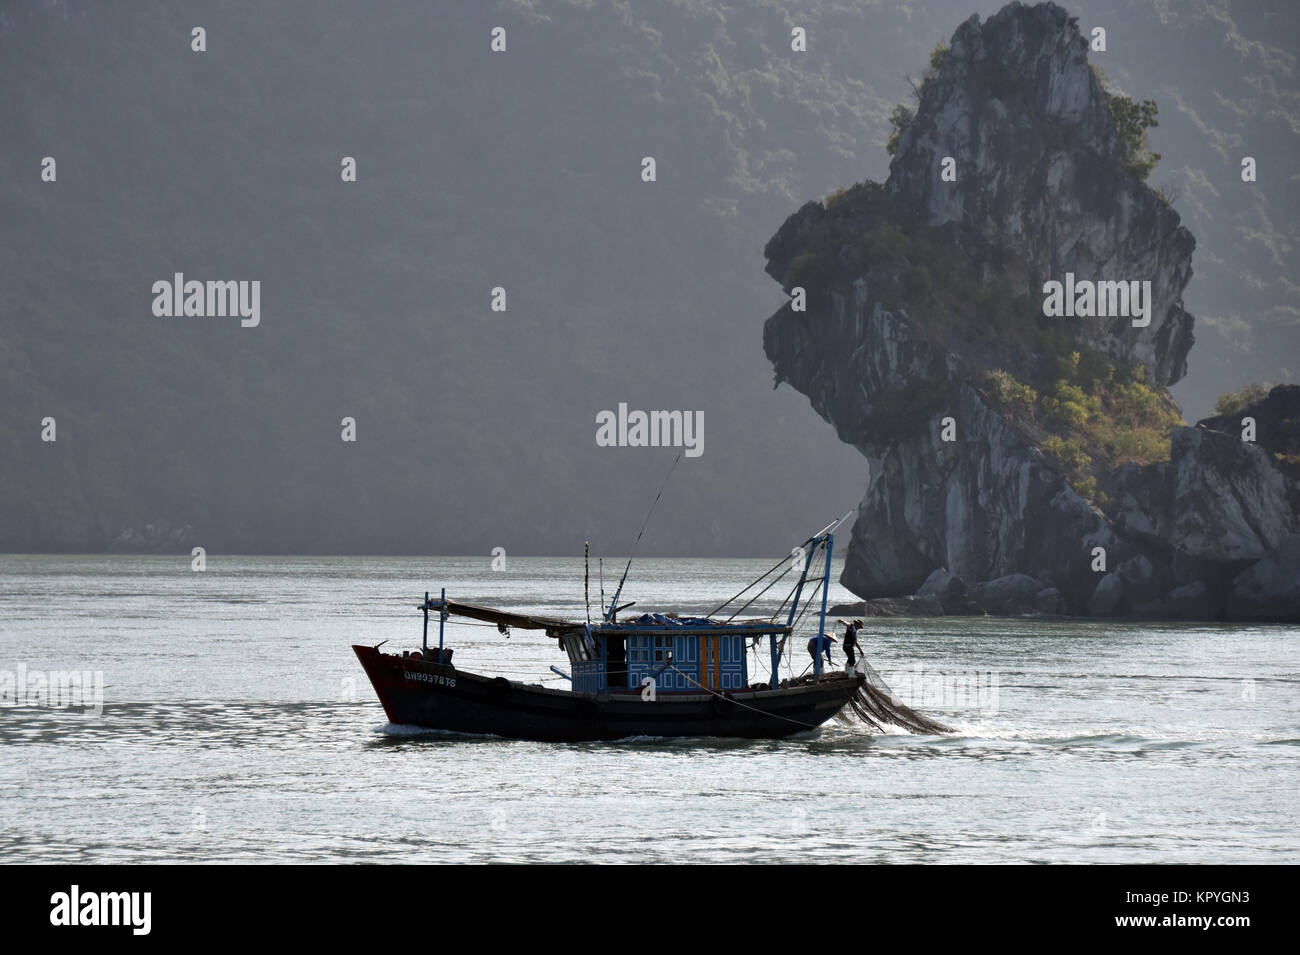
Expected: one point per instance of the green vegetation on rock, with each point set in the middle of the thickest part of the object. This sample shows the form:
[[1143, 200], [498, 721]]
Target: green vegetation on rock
[[899, 120], [1132, 120], [1003, 387], [1235, 401], [1095, 413], [902, 116]]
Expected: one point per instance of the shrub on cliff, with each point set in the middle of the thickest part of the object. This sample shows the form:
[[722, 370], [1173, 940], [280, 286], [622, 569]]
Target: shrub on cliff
[[899, 120], [1132, 120], [1135, 404], [1010, 393], [938, 57], [902, 116], [1140, 445], [1071, 405], [1235, 401], [1069, 452]]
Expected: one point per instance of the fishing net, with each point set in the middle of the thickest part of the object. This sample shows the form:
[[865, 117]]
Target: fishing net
[[876, 705]]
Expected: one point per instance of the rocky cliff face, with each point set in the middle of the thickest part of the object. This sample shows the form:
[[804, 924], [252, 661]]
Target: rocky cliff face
[[1041, 185], [901, 333]]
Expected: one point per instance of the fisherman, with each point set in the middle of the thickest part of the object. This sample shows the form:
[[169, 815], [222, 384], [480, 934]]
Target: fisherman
[[819, 645], [851, 645]]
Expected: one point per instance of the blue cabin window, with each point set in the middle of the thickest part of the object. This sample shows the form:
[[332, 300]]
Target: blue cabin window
[[678, 661]]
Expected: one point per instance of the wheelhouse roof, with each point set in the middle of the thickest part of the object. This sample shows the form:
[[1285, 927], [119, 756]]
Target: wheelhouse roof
[[714, 629], [525, 621]]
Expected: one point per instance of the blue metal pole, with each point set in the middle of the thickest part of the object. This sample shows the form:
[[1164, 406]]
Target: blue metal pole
[[442, 622], [426, 623], [826, 591], [794, 606]]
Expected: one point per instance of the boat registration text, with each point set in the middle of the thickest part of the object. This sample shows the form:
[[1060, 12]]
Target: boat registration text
[[436, 678]]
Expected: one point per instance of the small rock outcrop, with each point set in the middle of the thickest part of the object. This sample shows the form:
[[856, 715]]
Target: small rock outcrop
[[1270, 588]]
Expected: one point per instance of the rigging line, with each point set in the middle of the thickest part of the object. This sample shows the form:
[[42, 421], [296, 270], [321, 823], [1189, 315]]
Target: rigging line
[[810, 600], [776, 580], [706, 689], [829, 527], [809, 576], [808, 604], [720, 606], [782, 656], [813, 574], [781, 609], [642, 531], [799, 620]]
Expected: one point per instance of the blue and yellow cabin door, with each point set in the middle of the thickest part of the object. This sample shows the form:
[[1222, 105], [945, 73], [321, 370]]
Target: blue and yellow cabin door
[[710, 672]]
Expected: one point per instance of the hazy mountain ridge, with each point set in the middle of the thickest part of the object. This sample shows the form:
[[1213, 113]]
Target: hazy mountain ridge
[[518, 170]]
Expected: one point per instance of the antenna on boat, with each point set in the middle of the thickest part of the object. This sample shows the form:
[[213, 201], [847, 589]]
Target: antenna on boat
[[586, 578], [614, 603]]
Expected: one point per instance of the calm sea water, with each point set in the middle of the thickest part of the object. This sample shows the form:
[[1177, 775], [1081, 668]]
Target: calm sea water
[[237, 726]]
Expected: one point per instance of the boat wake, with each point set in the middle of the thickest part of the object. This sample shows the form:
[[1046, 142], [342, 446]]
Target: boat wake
[[400, 730]]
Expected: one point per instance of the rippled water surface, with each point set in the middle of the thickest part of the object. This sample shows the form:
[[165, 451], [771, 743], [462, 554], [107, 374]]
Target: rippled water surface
[[237, 726]]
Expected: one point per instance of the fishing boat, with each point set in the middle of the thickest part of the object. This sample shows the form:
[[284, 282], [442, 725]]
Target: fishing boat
[[651, 675]]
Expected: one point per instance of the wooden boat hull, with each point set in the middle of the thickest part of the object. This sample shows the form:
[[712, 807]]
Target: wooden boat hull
[[435, 696]]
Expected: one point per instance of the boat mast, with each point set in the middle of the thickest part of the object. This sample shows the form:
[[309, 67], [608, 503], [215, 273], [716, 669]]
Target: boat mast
[[826, 589], [794, 607], [614, 603], [825, 537], [442, 622]]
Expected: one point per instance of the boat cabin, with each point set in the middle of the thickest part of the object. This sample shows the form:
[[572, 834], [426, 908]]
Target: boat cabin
[[676, 653]]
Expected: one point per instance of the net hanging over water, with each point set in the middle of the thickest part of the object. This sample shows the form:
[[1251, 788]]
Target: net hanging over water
[[876, 705]]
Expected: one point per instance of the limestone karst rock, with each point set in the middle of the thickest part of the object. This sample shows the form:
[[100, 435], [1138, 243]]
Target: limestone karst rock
[[922, 290]]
